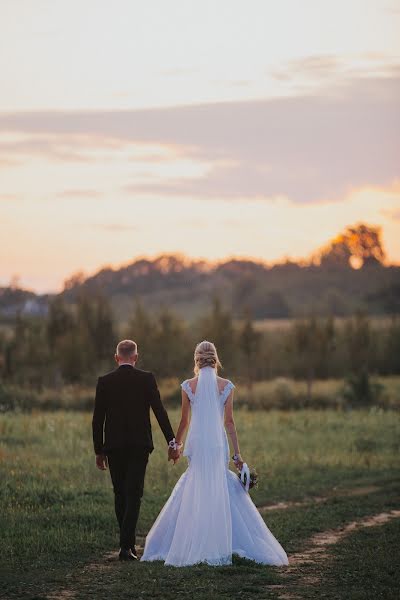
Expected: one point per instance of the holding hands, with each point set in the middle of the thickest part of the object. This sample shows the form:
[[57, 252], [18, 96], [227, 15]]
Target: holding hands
[[174, 450], [173, 455]]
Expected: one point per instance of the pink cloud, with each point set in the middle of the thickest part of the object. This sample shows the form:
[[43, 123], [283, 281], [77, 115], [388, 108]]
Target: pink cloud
[[310, 148]]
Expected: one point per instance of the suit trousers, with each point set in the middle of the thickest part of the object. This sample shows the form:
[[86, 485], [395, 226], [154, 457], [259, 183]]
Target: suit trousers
[[127, 469]]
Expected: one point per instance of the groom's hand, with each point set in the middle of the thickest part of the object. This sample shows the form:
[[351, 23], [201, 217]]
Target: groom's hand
[[173, 455], [101, 462]]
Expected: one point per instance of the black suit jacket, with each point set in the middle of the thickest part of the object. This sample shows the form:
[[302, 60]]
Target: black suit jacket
[[121, 416]]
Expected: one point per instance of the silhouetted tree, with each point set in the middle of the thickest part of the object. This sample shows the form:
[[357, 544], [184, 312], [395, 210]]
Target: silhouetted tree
[[59, 321], [337, 254], [26, 354], [358, 339], [218, 328], [365, 244], [171, 350], [95, 323], [358, 336], [310, 343], [249, 345], [359, 245], [142, 329], [391, 357], [386, 299]]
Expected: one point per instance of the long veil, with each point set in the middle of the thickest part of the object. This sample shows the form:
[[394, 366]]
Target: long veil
[[206, 434], [205, 503]]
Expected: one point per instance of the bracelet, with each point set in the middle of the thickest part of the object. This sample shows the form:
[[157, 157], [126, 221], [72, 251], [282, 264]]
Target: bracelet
[[173, 444], [236, 457]]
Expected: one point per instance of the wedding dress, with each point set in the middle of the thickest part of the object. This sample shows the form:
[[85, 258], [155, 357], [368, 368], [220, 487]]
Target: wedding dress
[[209, 515]]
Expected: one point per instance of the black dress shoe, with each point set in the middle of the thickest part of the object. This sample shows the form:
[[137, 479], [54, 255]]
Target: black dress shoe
[[127, 555]]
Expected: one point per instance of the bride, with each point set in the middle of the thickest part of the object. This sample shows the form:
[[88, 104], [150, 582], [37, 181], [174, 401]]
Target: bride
[[209, 515]]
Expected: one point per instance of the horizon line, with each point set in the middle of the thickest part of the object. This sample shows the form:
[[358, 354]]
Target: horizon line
[[188, 259]]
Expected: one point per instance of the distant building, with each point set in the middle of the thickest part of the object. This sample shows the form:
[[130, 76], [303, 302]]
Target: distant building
[[35, 307]]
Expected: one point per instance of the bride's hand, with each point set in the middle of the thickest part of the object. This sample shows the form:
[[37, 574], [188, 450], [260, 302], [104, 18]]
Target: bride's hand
[[174, 454], [238, 462]]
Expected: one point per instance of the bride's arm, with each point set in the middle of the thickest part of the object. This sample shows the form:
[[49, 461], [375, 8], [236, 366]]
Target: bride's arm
[[185, 417], [231, 429]]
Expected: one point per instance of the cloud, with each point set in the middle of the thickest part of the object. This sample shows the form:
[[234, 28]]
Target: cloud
[[329, 68], [309, 148], [66, 148], [79, 147], [316, 66], [223, 181]]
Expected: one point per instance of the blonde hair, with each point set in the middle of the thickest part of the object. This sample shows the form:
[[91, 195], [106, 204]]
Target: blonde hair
[[205, 355], [126, 349]]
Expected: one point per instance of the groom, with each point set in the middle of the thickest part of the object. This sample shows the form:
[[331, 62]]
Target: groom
[[123, 400]]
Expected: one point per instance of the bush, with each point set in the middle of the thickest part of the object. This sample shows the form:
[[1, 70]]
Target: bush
[[15, 398], [6, 399], [359, 390], [279, 394]]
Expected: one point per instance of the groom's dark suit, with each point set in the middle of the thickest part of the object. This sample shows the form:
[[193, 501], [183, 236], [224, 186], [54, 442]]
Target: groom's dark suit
[[122, 431]]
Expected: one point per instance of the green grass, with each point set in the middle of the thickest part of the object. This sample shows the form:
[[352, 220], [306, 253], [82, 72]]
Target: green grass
[[57, 509], [372, 560], [364, 566]]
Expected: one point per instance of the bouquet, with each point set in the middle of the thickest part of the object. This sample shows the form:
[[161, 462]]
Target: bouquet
[[248, 477]]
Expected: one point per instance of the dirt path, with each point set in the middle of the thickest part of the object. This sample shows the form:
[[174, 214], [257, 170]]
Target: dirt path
[[317, 548], [104, 563]]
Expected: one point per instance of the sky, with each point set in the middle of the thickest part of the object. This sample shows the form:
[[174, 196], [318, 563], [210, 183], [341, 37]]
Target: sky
[[214, 129]]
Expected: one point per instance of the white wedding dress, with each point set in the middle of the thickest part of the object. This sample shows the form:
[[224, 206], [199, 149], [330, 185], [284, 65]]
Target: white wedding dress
[[209, 515]]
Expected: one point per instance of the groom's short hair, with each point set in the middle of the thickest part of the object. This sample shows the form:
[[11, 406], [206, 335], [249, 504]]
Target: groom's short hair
[[126, 348]]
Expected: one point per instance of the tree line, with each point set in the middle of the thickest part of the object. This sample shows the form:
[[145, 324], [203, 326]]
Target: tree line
[[75, 343]]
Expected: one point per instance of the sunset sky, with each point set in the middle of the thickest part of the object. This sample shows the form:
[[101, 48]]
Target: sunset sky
[[210, 128]]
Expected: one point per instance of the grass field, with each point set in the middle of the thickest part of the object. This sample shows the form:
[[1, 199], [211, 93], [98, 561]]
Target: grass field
[[320, 472], [376, 321], [279, 393]]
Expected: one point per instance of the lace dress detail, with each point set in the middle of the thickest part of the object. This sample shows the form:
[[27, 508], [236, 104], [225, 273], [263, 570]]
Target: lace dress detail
[[185, 385], [223, 394], [226, 391]]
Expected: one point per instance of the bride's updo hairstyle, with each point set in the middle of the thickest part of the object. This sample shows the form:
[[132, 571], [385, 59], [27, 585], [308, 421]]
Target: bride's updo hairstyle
[[205, 355]]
